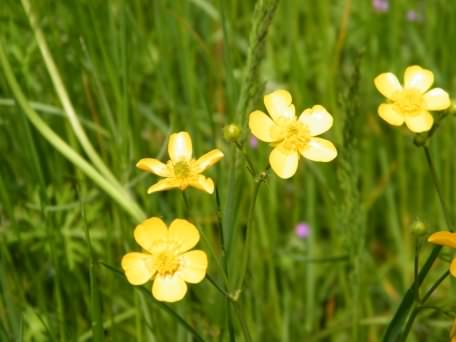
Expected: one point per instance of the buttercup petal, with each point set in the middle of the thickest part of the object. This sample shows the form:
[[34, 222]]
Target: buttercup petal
[[180, 147], [284, 162], [443, 238], [262, 126], [415, 77], [387, 112], [208, 160], [153, 165], [419, 123], [203, 183], [169, 288], [151, 233], [163, 184], [317, 119], [279, 105], [453, 267], [193, 266], [318, 149], [138, 268], [387, 84], [184, 234], [437, 99]]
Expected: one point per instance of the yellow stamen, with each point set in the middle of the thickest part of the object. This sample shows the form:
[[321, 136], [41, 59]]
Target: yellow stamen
[[167, 263], [296, 136], [409, 102], [182, 169]]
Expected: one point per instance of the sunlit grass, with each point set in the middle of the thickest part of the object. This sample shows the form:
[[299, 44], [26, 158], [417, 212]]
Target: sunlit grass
[[136, 71]]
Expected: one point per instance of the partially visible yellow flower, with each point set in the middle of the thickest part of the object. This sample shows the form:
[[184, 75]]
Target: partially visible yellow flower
[[412, 102], [182, 170], [453, 332], [447, 239], [166, 258], [291, 136]]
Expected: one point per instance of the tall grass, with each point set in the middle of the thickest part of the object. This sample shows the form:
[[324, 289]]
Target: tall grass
[[135, 71]]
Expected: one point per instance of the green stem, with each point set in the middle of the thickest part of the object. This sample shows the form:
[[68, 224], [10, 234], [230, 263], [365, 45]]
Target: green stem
[[248, 241], [409, 324], [65, 100], [434, 178], [219, 288], [60, 145], [250, 165], [188, 210], [243, 322], [417, 309], [416, 268], [433, 287], [393, 331]]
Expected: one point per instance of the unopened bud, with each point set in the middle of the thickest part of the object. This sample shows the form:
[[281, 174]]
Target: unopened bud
[[231, 132], [418, 228]]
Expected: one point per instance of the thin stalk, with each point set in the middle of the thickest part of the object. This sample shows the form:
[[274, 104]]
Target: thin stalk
[[60, 145], [393, 331], [433, 287], [258, 181], [416, 267], [250, 165], [97, 323], [223, 292], [219, 264], [243, 322], [409, 324], [417, 309], [65, 99], [437, 187]]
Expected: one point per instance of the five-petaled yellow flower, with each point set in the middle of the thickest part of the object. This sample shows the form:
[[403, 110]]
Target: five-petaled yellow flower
[[412, 102], [291, 136], [166, 258], [447, 239], [182, 170]]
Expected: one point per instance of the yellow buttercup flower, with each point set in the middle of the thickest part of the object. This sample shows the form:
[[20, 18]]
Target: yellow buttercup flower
[[291, 136], [447, 239], [182, 170], [412, 102], [166, 259]]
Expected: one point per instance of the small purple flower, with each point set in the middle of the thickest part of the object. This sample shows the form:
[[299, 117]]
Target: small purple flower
[[253, 142], [380, 6], [413, 16], [302, 230]]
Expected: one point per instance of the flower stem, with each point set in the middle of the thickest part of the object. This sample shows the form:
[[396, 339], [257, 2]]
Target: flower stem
[[248, 240], [433, 287], [434, 178], [250, 165], [394, 330]]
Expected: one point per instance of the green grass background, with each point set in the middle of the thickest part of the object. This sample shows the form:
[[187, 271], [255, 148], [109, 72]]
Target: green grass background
[[139, 70]]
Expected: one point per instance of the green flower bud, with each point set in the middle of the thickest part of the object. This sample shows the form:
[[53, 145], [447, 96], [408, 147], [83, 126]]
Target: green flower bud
[[231, 132], [418, 228]]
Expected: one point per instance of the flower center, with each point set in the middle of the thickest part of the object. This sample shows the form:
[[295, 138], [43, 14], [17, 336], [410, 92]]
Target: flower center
[[296, 136], [182, 169], [409, 102], [167, 263]]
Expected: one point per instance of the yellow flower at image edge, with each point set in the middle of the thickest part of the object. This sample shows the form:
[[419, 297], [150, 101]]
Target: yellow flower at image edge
[[412, 102], [166, 259], [182, 170], [447, 239], [291, 136]]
